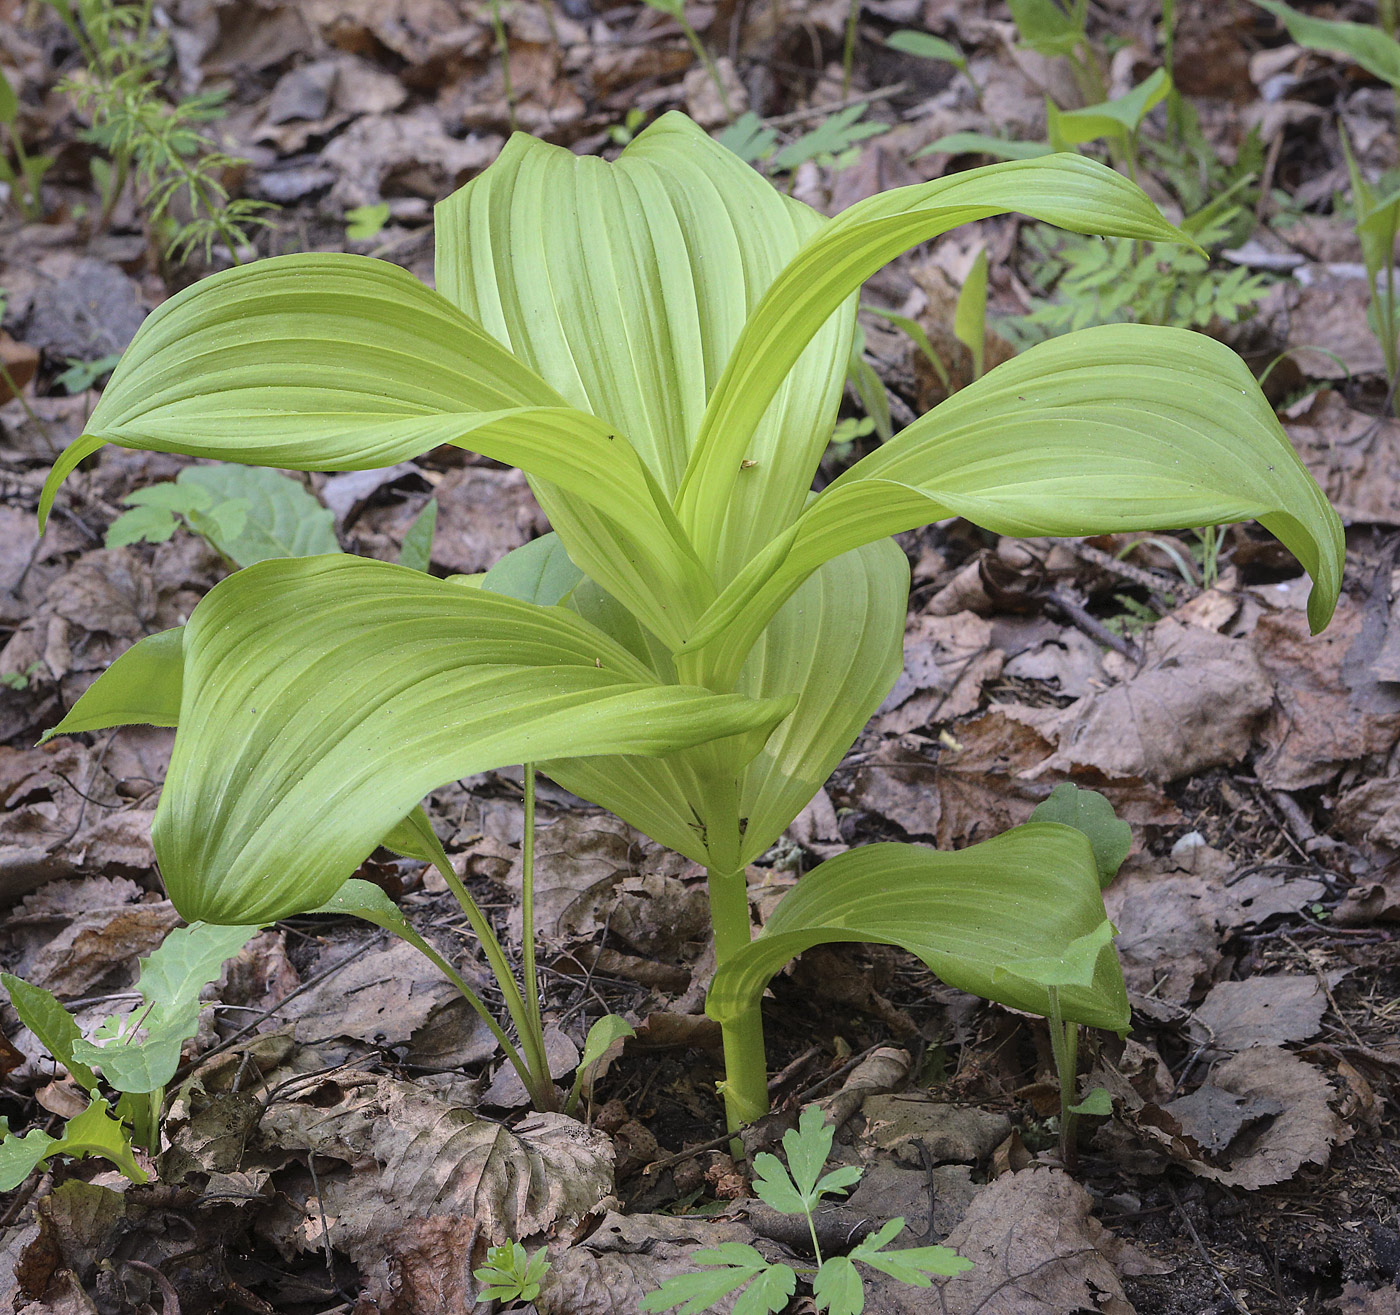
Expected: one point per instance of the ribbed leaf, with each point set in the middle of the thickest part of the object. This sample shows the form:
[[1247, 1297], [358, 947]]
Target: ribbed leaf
[[1066, 190], [974, 917], [326, 362], [141, 687], [837, 646], [1128, 426], [627, 285], [325, 696]]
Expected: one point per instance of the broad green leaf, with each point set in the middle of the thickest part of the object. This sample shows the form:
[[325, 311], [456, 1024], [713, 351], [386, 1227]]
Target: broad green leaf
[[417, 550], [334, 362], [301, 672], [838, 1288], [838, 646], [45, 1016], [20, 1156], [414, 837], [141, 525], [1126, 426], [142, 1066], [1088, 811], [1098, 1104], [601, 1035], [970, 316], [1118, 118], [143, 686], [537, 572], [627, 285], [980, 143], [282, 519], [926, 46], [973, 917], [189, 958], [1066, 190], [1369, 46]]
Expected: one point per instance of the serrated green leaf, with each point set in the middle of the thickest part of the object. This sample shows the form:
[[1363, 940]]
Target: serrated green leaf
[[416, 552], [138, 1067], [537, 572], [280, 519], [699, 1291], [1089, 812], [142, 687], [96, 1132], [181, 497], [20, 1156], [976, 918], [838, 1288], [140, 525], [42, 1013], [300, 717], [768, 1293]]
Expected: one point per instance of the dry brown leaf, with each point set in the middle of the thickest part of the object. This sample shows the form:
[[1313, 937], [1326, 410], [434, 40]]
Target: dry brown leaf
[[1371, 901], [109, 590], [482, 515], [910, 1126], [628, 1256], [1213, 1117], [1329, 708], [1331, 314], [383, 995], [429, 1157], [1303, 1133], [1354, 456], [1358, 1300], [1194, 704], [1035, 1249], [1263, 1011], [946, 661]]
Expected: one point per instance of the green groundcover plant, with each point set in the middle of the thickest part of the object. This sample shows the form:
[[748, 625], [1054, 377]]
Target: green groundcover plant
[[660, 343]]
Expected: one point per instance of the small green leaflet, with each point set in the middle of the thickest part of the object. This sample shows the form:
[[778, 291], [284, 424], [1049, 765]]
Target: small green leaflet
[[749, 138], [926, 46], [798, 1188], [249, 513], [1098, 1103], [1088, 811], [417, 550], [770, 1286], [364, 222], [511, 1275], [537, 572], [832, 138]]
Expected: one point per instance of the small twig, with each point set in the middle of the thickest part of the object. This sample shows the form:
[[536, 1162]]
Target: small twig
[[1074, 612], [169, 1298]]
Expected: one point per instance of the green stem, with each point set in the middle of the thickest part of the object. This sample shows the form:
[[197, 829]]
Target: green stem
[[745, 1086], [527, 902], [503, 49], [541, 1086], [848, 51], [709, 65], [1064, 1046]]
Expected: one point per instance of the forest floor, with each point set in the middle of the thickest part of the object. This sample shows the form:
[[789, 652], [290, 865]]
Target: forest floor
[[321, 1157]]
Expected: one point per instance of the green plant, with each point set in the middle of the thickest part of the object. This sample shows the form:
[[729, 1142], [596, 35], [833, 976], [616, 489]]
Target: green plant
[[797, 1188], [1054, 28], [248, 514], [18, 680], [511, 1275], [833, 143], [82, 375], [136, 1054], [676, 9], [704, 638], [161, 147], [25, 176], [927, 46], [364, 222], [622, 133]]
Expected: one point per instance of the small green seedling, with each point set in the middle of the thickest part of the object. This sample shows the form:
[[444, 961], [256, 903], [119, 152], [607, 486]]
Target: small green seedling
[[797, 1188], [247, 513], [25, 176], [510, 1275], [676, 9], [622, 133], [602, 1036], [135, 1054], [364, 222], [18, 680], [82, 375]]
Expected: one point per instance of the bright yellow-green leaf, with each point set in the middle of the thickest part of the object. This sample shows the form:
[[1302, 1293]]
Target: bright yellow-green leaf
[[302, 671], [975, 917], [142, 687]]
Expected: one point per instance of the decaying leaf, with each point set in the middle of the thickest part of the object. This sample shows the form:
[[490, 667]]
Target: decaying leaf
[[1303, 1133], [946, 661], [1263, 1011], [407, 1153]]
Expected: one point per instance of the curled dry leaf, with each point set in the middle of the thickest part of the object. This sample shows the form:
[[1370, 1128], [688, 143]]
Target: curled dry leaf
[[1263, 1011], [1303, 1133], [409, 1154]]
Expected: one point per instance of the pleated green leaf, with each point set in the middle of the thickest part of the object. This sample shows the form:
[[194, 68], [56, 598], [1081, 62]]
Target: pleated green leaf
[[984, 919], [325, 696], [1127, 426], [627, 286], [837, 647], [331, 362], [142, 687], [1067, 190]]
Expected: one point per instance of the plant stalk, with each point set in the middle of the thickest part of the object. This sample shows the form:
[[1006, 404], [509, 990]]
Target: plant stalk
[[745, 1085]]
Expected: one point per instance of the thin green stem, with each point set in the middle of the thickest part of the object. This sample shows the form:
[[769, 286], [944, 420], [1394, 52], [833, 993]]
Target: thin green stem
[[541, 1087], [503, 50], [816, 1246], [848, 50], [708, 64], [1064, 1046], [527, 902]]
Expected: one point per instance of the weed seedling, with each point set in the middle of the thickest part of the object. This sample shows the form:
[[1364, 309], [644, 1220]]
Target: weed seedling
[[510, 1275], [797, 1188]]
